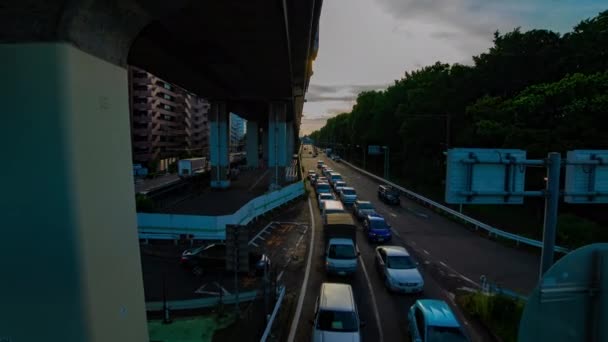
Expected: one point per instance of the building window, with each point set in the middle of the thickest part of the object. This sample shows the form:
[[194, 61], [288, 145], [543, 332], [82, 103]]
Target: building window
[[167, 86], [168, 97], [167, 107]]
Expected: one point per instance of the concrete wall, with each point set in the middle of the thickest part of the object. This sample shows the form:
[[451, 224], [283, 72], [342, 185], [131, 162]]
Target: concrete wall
[[71, 269]]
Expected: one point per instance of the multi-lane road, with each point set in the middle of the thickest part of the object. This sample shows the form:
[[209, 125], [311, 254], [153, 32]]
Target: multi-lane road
[[451, 257]]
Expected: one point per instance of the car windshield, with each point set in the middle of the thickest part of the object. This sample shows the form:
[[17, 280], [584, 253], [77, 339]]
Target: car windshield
[[378, 224], [323, 186], [327, 196], [342, 252], [445, 334], [343, 321], [349, 192], [402, 262], [365, 206]]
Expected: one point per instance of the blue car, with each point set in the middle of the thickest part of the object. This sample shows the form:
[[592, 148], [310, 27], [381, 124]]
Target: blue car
[[376, 228], [432, 320]]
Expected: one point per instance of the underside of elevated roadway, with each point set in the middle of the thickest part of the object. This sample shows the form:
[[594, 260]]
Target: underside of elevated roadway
[[245, 53]]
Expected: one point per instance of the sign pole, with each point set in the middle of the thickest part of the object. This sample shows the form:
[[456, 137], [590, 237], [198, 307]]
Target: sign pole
[[551, 206]]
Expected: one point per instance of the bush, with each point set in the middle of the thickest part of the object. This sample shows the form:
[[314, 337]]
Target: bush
[[500, 314], [574, 231], [143, 204]]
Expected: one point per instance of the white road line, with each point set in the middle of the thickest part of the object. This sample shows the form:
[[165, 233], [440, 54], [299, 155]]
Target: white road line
[[280, 275], [374, 304], [393, 215], [461, 275], [296, 317], [396, 233], [258, 180], [253, 244], [266, 232], [426, 252], [260, 233], [261, 238], [443, 263]]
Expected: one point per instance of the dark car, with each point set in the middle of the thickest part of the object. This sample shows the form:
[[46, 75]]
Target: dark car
[[376, 228], [388, 194], [212, 258]]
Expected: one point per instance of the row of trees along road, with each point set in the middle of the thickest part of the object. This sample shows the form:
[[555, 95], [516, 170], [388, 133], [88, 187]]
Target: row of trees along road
[[538, 90]]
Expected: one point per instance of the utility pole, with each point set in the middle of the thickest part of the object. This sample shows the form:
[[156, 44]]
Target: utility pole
[[551, 205]]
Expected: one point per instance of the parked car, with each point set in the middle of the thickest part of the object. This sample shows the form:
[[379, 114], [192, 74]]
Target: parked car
[[362, 209], [336, 315], [399, 271], [432, 320], [325, 197], [311, 174], [388, 194], [212, 258], [320, 164], [339, 184], [327, 171], [376, 228], [321, 187], [348, 195]]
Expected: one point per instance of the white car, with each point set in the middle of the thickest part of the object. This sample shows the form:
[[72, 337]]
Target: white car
[[348, 195], [399, 270], [325, 197], [338, 185]]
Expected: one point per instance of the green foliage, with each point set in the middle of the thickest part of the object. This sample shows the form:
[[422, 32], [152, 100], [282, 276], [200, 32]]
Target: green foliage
[[536, 90], [143, 204], [574, 231], [499, 313]]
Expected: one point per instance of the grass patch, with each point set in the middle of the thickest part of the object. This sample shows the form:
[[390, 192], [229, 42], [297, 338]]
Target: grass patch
[[193, 329], [498, 313]]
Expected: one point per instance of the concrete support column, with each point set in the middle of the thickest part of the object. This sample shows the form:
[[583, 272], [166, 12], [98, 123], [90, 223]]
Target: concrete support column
[[277, 138], [252, 144], [290, 142], [69, 111], [219, 139], [265, 148]]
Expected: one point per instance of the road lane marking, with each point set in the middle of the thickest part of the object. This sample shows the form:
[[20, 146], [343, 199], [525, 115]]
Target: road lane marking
[[296, 317], [374, 304], [426, 252], [254, 244], [393, 215], [461, 276], [443, 263], [261, 238], [280, 275], [396, 233], [260, 233]]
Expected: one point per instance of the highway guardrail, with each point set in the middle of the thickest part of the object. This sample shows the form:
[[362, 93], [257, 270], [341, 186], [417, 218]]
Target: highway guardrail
[[478, 224]]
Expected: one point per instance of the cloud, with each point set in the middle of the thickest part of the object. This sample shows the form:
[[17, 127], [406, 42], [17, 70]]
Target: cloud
[[473, 17], [444, 35], [338, 93]]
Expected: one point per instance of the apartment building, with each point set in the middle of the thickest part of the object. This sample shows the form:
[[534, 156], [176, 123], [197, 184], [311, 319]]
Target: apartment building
[[167, 122]]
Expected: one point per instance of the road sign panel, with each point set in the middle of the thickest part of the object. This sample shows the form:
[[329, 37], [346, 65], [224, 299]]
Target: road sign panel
[[485, 176], [586, 183], [374, 149]]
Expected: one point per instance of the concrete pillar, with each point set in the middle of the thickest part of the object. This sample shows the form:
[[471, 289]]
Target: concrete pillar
[[277, 138], [252, 144], [290, 142], [70, 227], [219, 139], [265, 148]]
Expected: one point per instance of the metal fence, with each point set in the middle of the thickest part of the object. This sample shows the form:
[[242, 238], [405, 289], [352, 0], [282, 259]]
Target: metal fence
[[478, 224]]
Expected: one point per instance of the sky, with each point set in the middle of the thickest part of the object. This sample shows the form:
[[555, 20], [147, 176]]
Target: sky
[[368, 44]]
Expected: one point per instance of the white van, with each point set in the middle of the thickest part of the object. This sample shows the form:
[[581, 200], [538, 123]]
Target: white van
[[332, 207], [336, 315]]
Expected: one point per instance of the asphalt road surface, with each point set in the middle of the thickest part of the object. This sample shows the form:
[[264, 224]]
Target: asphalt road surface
[[385, 313]]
